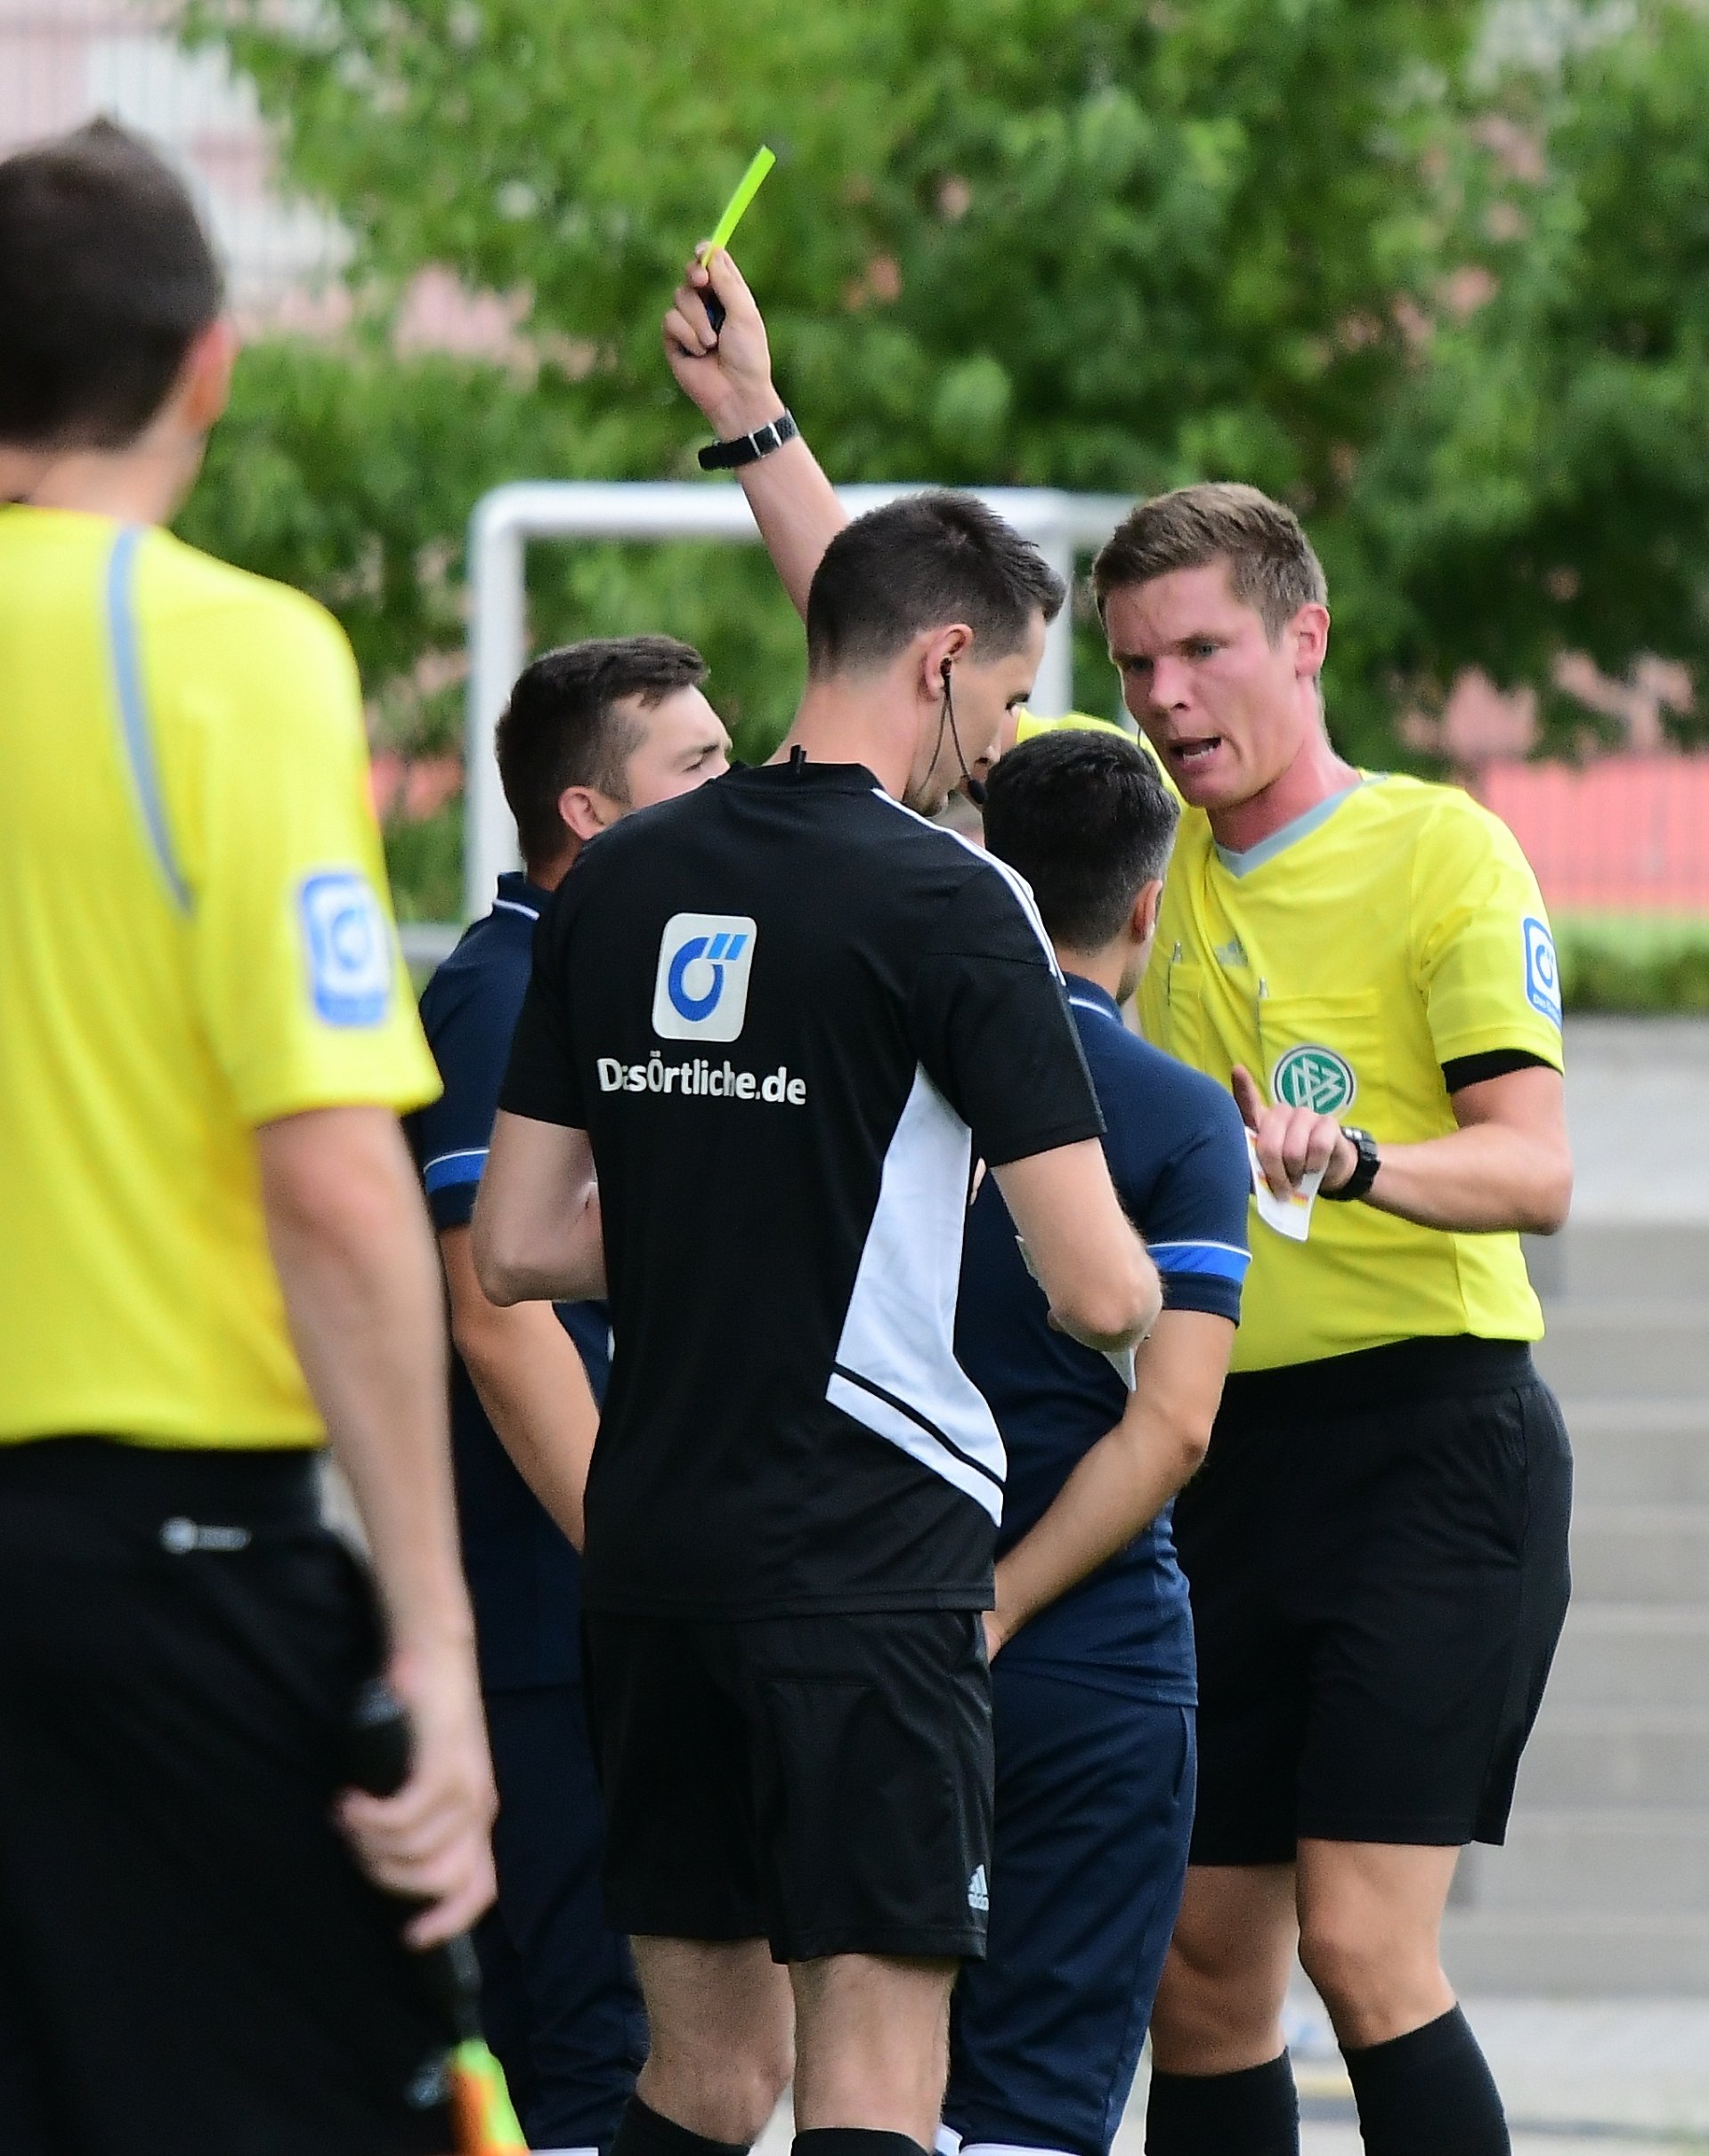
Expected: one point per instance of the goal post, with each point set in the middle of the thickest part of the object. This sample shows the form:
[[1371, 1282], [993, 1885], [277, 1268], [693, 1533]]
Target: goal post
[[1062, 525]]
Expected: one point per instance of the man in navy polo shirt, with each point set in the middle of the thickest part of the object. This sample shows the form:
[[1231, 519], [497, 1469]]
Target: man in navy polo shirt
[[592, 731], [1093, 1678]]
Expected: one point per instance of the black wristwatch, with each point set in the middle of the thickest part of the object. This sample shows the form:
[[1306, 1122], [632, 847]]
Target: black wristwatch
[[748, 448], [1365, 1168]]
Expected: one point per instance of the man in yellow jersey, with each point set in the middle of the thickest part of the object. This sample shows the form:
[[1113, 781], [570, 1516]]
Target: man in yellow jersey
[[1377, 1544], [213, 1255]]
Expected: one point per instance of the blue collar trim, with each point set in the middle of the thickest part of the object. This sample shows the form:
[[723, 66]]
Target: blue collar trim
[[1087, 995], [517, 894]]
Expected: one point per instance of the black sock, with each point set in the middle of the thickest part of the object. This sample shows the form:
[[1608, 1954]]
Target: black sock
[[1255, 2112], [643, 2131], [1429, 2093], [853, 2141]]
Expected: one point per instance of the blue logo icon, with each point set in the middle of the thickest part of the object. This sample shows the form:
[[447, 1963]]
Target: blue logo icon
[[715, 950], [348, 945], [701, 990], [1542, 970]]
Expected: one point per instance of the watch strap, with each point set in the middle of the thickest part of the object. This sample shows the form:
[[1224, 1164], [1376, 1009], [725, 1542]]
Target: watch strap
[[1365, 1168], [748, 448]]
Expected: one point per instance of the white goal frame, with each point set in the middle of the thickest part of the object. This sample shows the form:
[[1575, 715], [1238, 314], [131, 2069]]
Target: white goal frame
[[1062, 525]]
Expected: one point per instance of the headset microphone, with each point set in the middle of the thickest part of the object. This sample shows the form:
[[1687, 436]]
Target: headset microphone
[[973, 788]]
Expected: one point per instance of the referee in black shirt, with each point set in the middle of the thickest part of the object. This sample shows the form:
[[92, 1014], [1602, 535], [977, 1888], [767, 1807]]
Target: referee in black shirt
[[784, 1016]]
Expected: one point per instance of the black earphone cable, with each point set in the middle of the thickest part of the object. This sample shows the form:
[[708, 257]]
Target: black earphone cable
[[973, 788]]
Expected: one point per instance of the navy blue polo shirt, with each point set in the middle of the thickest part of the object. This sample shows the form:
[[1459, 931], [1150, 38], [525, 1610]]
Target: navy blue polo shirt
[[524, 1579], [1177, 1158]]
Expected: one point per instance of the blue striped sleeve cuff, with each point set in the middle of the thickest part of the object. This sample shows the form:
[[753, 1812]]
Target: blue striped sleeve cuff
[[1212, 1260], [450, 1170]]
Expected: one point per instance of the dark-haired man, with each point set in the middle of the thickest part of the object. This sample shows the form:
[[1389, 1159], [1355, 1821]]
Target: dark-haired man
[[213, 1257], [1093, 1689], [781, 1015], [591, 733]]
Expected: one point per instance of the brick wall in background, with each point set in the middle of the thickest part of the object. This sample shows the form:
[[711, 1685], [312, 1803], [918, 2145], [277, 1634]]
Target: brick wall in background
[[63, 61]]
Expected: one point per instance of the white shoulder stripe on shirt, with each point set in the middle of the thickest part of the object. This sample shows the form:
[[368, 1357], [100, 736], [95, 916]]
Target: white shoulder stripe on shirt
[[1017, 882]]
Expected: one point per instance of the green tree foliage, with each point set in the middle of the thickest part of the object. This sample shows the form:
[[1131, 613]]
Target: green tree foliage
[[1069, 242], [343, 471], [1459, 323], [1073, 241], [351, 473], [1546, 487]]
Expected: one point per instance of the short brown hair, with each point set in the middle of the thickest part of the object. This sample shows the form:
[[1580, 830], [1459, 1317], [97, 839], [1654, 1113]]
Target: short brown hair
[[562, 727], [1272, 566], [106, 281]]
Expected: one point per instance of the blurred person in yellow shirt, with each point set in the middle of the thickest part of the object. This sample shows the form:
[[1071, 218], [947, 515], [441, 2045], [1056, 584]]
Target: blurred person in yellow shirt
[[213, 1257]]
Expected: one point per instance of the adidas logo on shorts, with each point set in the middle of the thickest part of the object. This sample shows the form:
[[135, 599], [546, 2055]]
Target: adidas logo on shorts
[[978, 1893]]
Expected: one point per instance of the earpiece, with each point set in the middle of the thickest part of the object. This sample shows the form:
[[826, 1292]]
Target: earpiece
[[970, 786]]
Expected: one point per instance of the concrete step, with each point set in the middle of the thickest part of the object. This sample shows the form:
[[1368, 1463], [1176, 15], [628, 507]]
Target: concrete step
[[1577, 1953], [1589, 1260], [1633, 1655], [1644, 1862], [1648, 1350], [1641, 1552], [1587, 1758], [1637, 1452]]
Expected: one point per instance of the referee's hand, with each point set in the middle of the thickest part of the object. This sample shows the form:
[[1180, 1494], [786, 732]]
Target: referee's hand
[[727, 372], [431, 1841], [1291, 1142]]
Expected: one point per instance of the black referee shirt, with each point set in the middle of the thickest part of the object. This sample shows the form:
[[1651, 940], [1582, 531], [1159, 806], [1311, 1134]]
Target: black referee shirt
[[789, 1014]]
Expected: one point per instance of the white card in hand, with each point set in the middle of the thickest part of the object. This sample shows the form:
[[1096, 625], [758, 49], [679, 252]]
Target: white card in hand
[[1290, 1216]]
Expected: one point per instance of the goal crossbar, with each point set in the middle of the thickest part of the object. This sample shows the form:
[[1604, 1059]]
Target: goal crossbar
[[1062, 525]]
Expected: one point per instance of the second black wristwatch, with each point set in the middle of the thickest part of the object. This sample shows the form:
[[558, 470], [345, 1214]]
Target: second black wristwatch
[[1365, 1168]]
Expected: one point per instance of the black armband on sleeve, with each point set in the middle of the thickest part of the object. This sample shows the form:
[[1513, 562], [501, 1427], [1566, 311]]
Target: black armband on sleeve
[[1494, 1063]]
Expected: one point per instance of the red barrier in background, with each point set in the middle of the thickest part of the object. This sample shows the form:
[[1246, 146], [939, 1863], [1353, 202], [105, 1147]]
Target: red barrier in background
[[1626, 834], [411, 788], [1623, 834]]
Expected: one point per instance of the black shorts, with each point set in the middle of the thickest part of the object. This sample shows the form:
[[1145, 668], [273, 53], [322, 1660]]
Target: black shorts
[[189, 1959], [1377, 1550], [821, 1782]]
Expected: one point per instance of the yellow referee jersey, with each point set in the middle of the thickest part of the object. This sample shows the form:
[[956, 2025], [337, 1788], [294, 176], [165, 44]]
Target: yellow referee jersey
[[1028, 726], [194, 939], [1343, 961]]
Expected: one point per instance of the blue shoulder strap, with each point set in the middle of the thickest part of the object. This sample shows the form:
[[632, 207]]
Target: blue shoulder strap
[[133, 708]]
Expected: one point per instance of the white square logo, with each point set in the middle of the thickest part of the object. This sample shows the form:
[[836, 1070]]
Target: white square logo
[[349, 948], [700, 993], [1542, 970]]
